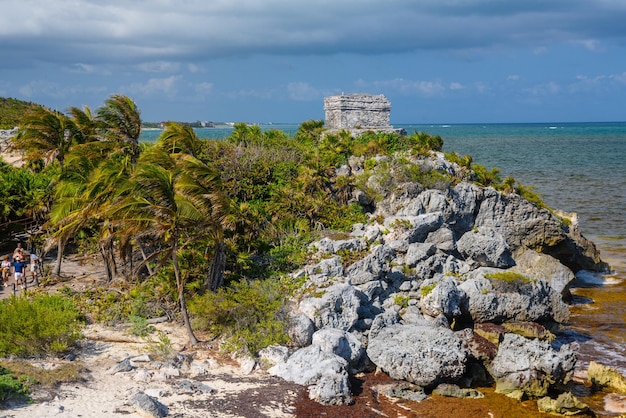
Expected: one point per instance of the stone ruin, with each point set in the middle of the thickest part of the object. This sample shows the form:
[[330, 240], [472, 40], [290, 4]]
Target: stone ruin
[[358, 113]]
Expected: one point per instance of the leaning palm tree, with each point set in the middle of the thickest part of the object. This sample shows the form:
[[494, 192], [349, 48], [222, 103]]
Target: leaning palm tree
[[177, 138], [120, 122], [45, 134], [173, 198]]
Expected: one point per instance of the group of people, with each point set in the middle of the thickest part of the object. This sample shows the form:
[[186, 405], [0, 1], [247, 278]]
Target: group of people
[[19, 262]]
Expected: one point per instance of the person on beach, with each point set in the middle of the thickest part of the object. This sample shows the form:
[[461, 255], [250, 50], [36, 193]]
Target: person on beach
[[18, 268], [34, 259], [18, 251], [6, 270]]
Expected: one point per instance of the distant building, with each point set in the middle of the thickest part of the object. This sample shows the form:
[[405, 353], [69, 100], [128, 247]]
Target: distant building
[[358, 112]]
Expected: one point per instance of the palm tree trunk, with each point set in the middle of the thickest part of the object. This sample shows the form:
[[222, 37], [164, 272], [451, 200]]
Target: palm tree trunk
[[107, 265], [143, 255], [57, 265], [181, 296], [215, 277]]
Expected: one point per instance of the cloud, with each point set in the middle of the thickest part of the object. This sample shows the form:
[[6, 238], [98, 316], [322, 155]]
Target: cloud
[[159, 67], [204, 87], [544, 89], [302, 91], [513, 77], [131, 31], [155, 86]]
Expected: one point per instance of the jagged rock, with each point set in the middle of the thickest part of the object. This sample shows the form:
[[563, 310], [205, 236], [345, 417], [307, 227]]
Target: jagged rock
[[310, 365], [604, 376], [492, 332], [402, 390], [443, 239], [444, 298], [564, 404], [331, 389], [300, 329], [534, 264], [343, 344], [326, 268], [523, 225], [191, 387], [273, 355], [529, 330], [454, 391], [530, 366], [142, 375], [418, 252], [419, 354], [478, 346], [147, 406], [337, 307], [486, 247], [373, 266], [382, 321], [494, 300], [121, 367], [246, 364]]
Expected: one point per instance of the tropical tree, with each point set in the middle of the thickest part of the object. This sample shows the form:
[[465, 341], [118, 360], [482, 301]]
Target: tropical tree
[[177, 138], [45, 134], [173, 198], [120, 122]]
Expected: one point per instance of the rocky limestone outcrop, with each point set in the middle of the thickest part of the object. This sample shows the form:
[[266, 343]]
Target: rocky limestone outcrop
[[450, 286]]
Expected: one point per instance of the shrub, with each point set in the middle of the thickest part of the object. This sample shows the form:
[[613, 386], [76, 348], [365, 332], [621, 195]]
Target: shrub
[[46, 324], [11, 387], [247, 314]]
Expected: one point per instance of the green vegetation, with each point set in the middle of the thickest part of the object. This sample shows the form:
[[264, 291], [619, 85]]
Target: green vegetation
[[216, 222], [426, 289], [45, 324], [509, 277], [12, 111], [402, 301], [12, 386], [248, 314], [19, 377]]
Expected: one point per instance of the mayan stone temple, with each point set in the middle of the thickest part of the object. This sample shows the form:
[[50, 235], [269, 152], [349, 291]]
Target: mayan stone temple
[[357, 112]]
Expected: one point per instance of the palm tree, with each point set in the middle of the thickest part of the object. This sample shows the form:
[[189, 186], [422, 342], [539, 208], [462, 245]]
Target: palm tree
[[45, 134], [120, 122], [174, 197], [85, 123], [177, 138]]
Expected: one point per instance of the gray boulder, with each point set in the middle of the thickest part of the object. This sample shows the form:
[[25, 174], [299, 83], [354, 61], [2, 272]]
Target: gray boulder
[[338, 307], [441, 297], [300, 329], [487, 247], [493, 300], [531, 367], [534, 264], [419, 354], [343, 344], [148, 406], [371, 267], [325, 373], [418, 252]]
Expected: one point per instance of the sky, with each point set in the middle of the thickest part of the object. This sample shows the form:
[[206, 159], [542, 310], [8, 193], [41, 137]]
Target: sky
[[259, 61]]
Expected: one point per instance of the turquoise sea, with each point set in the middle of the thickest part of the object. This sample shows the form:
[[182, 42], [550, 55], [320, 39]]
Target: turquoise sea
[[575, 167]]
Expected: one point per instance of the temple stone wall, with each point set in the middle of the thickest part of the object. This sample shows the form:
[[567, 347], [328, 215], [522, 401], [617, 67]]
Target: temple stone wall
[[348, 111]]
